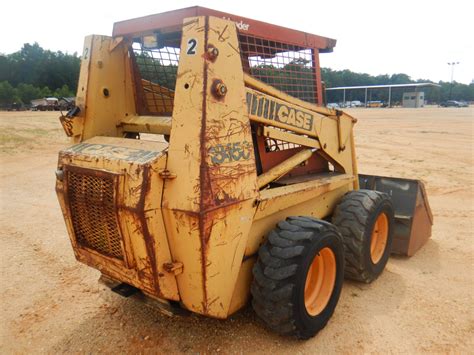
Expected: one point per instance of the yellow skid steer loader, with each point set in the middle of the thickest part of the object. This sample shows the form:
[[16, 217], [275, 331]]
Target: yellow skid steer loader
[[204, 172]]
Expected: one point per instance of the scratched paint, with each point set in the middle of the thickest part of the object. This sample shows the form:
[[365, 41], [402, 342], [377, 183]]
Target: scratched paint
[[114, 152]]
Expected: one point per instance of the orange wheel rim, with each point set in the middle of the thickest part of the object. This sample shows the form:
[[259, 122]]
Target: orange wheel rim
[[379, 237], [320, 281]]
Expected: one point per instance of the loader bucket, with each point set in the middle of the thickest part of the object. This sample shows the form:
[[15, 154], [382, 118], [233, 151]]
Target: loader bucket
[[413, 217]]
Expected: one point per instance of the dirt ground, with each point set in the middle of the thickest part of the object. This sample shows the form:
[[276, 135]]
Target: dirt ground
[[50, 303]]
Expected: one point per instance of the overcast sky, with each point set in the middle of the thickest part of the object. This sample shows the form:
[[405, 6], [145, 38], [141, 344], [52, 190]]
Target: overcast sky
[[415, 37]]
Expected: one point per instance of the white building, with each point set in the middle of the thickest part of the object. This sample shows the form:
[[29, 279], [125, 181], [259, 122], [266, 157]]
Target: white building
[[413, 99]]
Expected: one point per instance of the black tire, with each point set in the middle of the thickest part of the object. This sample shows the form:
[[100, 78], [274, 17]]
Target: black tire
[[278, 287], [355, 217]]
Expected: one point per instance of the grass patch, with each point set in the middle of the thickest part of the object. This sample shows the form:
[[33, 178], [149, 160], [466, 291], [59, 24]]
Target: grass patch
[[14, 140]]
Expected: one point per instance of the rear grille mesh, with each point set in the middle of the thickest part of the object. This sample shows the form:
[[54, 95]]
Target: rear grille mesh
[[92, 204]]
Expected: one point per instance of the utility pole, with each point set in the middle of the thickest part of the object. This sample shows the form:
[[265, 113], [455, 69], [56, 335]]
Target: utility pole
[[451, 64]]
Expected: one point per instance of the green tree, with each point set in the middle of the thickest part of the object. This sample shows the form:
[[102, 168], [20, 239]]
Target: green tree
[[64, 91], [7, 94], [38, 67], [46, 92], [400, 79], [27, 92]]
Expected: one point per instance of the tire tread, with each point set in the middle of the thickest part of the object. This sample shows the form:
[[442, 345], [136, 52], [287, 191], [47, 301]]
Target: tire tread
[[351, 216], [276, 269]]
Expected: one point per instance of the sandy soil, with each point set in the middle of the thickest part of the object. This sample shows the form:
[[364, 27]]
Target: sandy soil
[[50, 303]]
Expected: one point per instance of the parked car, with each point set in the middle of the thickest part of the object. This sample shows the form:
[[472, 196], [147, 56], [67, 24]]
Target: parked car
[[454, 103], [333, 105]]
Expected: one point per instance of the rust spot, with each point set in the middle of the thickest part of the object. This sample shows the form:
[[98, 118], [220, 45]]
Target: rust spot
[[211, 53], [140, 213], [176, 268], [203, 181]]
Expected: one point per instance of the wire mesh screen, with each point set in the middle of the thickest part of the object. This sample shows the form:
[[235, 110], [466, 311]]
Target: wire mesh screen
[[275, 145], [287, 67], [157, 69]]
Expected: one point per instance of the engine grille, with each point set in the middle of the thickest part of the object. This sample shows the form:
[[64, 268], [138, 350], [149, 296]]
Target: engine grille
[[92, 205]]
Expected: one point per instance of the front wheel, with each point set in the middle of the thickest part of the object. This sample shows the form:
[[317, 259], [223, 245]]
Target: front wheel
[[365, 220], [298, 276]]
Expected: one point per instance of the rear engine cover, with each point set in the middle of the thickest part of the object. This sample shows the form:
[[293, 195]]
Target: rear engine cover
[[110, 193]]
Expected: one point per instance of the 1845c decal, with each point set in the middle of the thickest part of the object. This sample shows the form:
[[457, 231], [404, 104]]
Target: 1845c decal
[[230, 152]]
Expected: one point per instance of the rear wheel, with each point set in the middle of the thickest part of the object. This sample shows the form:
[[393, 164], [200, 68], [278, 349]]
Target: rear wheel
[[298, 276], [365, 220]]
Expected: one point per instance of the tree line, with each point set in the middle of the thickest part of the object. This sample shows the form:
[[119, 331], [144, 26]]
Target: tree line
[[34, 72]]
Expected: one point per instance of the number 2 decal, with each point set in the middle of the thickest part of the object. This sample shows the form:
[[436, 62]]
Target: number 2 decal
[[192, 43]]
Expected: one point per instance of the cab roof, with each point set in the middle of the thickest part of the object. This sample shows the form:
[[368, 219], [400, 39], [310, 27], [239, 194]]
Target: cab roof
[[174, 20]]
